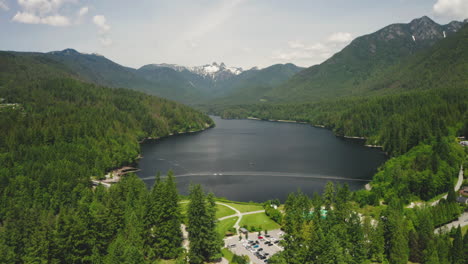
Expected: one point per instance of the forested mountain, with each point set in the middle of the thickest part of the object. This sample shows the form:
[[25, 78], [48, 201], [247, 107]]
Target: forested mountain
[[219, 84], [190, 85], [348, 72], [102, 71], [422, 100], [59, 133], [250, 86]]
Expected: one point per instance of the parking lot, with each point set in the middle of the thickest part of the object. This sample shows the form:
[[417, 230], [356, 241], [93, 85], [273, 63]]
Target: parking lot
[[258, 252]]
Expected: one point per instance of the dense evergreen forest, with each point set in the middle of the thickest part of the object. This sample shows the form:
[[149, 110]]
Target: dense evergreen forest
[[394, 235], [56, 133], [416, 129], [414, 106]]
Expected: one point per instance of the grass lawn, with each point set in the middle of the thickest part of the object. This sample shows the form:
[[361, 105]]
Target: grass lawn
[[221, 210], [464, 229], [224, 225], [260, 219], [227, 254], [245, 207]]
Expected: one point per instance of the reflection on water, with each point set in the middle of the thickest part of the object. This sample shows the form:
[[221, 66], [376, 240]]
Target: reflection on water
[[248, 160]]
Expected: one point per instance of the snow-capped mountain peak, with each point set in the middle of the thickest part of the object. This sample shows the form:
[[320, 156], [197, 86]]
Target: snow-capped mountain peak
[[214, 70]]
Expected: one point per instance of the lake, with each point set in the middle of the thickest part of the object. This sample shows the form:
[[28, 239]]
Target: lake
[[249, 160]]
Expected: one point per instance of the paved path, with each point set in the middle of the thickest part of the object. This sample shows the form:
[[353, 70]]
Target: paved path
[[238, 214], [461, 221], [457, 186], [241, 214], [185, 242]]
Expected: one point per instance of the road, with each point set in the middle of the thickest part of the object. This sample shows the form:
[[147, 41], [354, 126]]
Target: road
[[457, 186], [461, 221]]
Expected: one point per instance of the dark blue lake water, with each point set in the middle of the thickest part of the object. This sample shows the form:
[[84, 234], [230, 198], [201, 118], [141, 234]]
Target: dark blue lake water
[[248, 160]]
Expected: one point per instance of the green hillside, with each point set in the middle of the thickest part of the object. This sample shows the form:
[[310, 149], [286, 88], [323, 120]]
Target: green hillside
[[250, 86], [102, 71], [369, 57], [414, 111]]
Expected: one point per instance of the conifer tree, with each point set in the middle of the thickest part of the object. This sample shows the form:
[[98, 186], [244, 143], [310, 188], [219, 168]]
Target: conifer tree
[[197, 213], [214, 242], [167, 230], [457, 248]]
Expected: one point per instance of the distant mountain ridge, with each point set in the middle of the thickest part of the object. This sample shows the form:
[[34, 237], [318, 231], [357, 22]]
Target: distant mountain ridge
[[363, 59], [214, 71], [190, 85]]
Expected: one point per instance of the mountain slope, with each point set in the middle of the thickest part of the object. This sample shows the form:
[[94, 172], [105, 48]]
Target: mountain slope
[[364, 58], [444, 64], [61, 133], [417, 99], [214, 82], [250, 86], [102, 71]]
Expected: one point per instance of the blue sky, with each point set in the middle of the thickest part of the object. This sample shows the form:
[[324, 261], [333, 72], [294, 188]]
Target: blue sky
[[242, 33]]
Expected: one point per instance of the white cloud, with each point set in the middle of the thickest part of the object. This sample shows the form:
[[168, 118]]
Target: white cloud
[[42, 7], [456, 9], [83, 11], [101, 22], [105, 41], [104, 28], [295, 44], [340, 37], [313, 53], [56, 20], [42, 12], [4, 6], [29, 18]]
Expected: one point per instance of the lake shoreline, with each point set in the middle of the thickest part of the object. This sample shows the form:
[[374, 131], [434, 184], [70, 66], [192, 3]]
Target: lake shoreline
[[115, 175], [316, 126], [242, 155]]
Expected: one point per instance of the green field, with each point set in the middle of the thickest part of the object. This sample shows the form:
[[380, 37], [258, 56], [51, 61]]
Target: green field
[[221, 210], [260, 219], [227, 254], [223, 226], [245, 207]]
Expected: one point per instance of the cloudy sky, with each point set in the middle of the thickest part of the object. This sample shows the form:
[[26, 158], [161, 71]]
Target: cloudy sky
[[242, 33]]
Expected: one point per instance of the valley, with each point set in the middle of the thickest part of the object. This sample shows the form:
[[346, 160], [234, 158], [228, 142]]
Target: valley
[[356, 159]]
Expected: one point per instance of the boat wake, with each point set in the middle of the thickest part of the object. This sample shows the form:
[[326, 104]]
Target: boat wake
[[262, 174]]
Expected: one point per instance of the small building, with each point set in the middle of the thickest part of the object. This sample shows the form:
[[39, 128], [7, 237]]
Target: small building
[[243, 230], [462, 200], [464, 143], [464, 190]]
